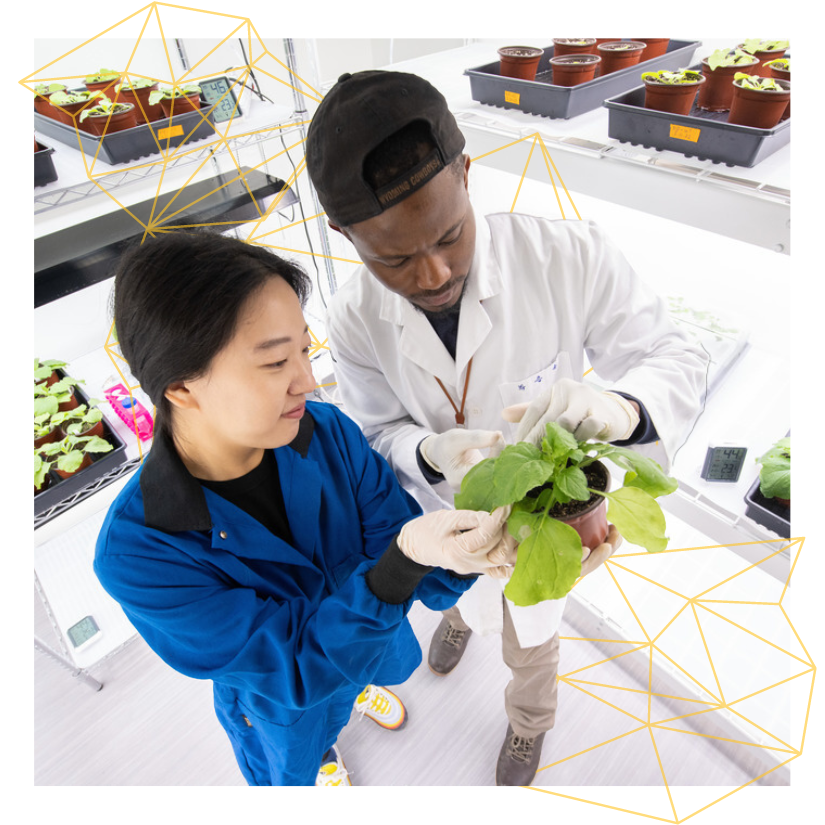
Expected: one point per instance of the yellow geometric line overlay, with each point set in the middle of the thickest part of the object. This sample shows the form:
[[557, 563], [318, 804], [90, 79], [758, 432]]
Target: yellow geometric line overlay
[[701, 608]]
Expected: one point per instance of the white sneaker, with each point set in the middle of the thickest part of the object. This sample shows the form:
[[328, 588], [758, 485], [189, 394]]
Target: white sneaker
[[382, 706], [332, 772]]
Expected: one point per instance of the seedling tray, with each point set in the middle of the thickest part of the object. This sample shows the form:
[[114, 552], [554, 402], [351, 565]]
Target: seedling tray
[[102, 464], [137, 142], [44, 171], [700, 134], [767, 512], [541, 97]]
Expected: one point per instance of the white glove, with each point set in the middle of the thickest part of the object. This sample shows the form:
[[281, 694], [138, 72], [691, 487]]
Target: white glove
[[581, 410], [591, 559], [504, 555], [455, 452], [464, 541]]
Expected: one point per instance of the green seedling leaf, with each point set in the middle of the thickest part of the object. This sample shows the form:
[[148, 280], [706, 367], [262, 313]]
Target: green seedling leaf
[[549, 560], [97, 445], [41, 470], [477, 491], [573, 483], [644, 472], [638, 518], [558, 443], [518, 469], [775, 470], [70, 462], [46, 404]]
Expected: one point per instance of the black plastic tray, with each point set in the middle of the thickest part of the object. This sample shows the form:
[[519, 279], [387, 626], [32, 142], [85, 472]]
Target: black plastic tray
[[44, 171], [700, 134], [541, 97], [137, 142], [768, 512], [102, 463]]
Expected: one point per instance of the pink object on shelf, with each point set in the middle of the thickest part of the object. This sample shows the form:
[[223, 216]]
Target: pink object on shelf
[[130, 411]]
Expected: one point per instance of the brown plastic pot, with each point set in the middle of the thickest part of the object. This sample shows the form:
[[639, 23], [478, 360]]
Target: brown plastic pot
[[591, 524], [676, 98], [53, 435], [69, 113], [43, 106], [760, 108], [70, 404], [655, 46], [573, 45], [619, 54], [115, 122], [763, 57], [107, 86], [180, 105], [572, 69], [717, 93], [600, 40], [519, 62], [139, 98], [782, 74], [94, 430], [87, 462]]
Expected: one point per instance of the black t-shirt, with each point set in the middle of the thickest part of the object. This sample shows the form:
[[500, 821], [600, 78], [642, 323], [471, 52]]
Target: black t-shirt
[[259, 494]]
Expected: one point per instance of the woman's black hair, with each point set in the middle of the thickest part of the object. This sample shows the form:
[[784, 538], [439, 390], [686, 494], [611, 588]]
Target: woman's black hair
[[176, 302]]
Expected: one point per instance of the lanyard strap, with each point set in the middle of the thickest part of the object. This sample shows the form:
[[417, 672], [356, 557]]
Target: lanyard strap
[[459, 413]]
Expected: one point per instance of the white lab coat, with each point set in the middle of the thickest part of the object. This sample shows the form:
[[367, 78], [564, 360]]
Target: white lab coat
[[539, 294]]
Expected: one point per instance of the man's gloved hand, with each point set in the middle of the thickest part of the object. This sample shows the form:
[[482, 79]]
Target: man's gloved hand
[[454, 452], [504, 555], [591, 559], [581, 410], [464, 541]]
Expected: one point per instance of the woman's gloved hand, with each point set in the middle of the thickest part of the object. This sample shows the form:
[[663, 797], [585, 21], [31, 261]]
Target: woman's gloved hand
[[581, 410], [591, 559], [464, 541], [455, 452]]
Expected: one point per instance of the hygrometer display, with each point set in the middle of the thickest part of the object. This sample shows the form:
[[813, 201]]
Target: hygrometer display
[[218, 93], [724, 462]]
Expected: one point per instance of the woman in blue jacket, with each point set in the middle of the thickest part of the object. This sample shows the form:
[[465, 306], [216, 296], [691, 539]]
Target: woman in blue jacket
[[262, 544]]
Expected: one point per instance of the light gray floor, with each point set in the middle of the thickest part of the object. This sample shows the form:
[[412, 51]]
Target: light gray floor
[[152, 726]]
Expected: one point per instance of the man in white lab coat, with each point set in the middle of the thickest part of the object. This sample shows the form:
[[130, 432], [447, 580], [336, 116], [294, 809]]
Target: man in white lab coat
[[455, 317]]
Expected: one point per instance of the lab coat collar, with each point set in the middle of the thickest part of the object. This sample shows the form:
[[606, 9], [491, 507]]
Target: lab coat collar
[[419, 341], [173, 499]]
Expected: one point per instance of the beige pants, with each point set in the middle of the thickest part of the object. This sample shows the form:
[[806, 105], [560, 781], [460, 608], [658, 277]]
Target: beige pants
[[531, 696]]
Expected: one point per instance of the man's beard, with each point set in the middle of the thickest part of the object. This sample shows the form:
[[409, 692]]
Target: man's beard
[[445, 312]]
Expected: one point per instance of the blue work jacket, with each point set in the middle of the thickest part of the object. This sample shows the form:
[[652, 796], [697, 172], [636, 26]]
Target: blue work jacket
[[289, 634]]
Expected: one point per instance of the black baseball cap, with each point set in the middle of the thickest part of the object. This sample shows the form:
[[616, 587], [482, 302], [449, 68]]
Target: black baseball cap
[[357, 114]]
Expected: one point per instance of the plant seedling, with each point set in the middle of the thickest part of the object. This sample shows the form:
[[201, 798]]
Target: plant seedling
[[80, 419], [46, 89], [752, 81], [726, 57], [681, 76], [171, 92], [102, 75], [137, 83], [755, 45], [43, 369], [775, 470], [48, 399], [550, 551], [103, 107], [71, 451], [783, 63]]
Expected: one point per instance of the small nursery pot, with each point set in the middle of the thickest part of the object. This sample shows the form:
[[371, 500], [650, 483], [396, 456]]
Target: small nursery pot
[[572, 69], [764, 57], [779, 73], [95, 429], [53, 435], [655, 46], [107, 86], [573, 45], [139, 98], [676, 98], [70, 404], [717, 93], [619, 54], [115, 122], [43, 107], [87, 462], [64, 113], [760, 108], [186, 103], [591, 524], [519, 62]]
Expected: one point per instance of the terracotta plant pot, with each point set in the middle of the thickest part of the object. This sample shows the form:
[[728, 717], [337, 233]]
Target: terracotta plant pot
[[600, 40], [52, 379], [53, 435], [760, 108], [87, 462], [764, 57], [95, 429], [620, 54], [70, 404], [591, 523], [782, 74], [676, 98], [180, 105], [139, 98], [69, 113], [573, 45], [116, 122], [655, 46], [107, 86], [572, 69], [519, 61], [717, 93]]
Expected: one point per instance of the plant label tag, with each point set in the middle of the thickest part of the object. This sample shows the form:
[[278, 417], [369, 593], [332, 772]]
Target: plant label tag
[[512, 97], [684, 132], [170, 131]]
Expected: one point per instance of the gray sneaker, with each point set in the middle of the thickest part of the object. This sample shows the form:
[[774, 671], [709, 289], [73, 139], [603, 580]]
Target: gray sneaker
[[518, 759], [447, 647]]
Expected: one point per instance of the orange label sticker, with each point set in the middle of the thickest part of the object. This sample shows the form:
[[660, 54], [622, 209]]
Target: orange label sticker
[[684, 132], [170, 131], [512, 97]]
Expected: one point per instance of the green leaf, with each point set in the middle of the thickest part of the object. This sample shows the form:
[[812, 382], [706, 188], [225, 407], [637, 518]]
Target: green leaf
[[47, 404], [775, 470], [518, 469], [70, 462], [573, 483], [477, 491], [41, 470], [638, 518], [645, 473], [548, 563], [97, 445], [558, 442]]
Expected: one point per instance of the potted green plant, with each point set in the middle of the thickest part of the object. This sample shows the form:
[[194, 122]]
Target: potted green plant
[[57, 397], [572, 69], [45, 430], [68, 104], [620, 54], [46, 371], [101, 81], [764, 51], [775, 472], [668, 91], [106, 116], [519, 62], [549, 488], [82, 420], [177, 98], [41, 98], [72, 454], [573, 45], [758, 101], [655, 46], [136, 91], [719, 68]]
